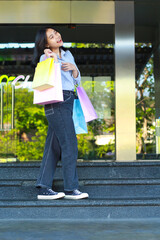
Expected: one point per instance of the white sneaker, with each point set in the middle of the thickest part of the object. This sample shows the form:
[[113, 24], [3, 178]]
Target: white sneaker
[[75, 194], [49, 194]]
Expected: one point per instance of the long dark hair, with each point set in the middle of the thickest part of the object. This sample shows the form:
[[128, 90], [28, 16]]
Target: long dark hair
[[40, 44]]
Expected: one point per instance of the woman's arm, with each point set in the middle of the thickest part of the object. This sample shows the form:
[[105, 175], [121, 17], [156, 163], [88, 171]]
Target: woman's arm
[[75, 73], [77, 79], [67, 66]]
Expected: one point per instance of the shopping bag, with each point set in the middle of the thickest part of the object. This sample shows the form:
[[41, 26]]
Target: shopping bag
[[80, 124], [51, 95], [44, 75], [87, 107]]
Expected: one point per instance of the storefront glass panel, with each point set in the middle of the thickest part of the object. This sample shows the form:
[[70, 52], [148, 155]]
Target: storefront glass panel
[[146, 122], [24, 125]]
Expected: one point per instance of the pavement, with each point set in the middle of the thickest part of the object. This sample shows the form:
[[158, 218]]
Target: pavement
[[88, 229]]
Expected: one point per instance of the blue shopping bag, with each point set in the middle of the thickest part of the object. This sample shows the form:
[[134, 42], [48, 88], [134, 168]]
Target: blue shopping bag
[[78, 118]]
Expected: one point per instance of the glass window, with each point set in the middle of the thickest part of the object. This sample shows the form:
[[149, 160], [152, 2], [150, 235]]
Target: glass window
[[147, 136], [24, 125]]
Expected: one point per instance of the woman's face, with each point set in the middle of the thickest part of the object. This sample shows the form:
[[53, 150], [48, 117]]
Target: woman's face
[[54, 39]]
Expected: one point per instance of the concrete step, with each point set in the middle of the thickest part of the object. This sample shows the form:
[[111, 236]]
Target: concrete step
[[86, 170], [97, 189], [117, 190], [80, 209]]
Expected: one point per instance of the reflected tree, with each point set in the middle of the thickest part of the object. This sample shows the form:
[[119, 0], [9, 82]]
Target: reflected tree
[[145, 110]]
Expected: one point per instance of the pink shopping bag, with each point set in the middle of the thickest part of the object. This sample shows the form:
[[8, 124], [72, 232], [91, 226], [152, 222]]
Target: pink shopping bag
[[51, 95], [87, 107]]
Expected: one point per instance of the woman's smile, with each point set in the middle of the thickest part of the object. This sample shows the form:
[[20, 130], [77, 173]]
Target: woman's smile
[[59, 41]]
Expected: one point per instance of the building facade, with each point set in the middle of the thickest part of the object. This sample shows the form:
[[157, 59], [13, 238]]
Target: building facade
[[116, 47]]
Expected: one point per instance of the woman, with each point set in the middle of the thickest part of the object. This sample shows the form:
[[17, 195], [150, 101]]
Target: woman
[[61, 140]]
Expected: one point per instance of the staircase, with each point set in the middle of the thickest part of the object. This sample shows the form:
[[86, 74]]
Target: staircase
[[117, 190]]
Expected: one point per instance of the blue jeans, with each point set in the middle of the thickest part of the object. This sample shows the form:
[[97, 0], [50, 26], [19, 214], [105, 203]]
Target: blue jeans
[[61, 144]]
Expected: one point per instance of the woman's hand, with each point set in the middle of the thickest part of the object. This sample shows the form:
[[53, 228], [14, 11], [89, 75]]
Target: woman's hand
[[49, 53], [66, 66]]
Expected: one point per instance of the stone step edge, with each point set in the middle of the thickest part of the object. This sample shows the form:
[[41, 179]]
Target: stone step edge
[[25, 182], [86, 164], [80, 203]]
